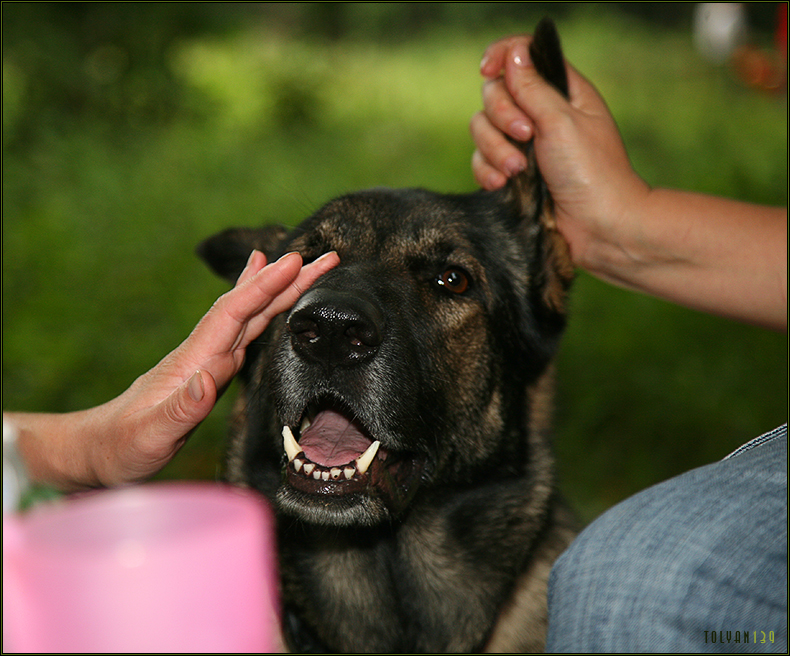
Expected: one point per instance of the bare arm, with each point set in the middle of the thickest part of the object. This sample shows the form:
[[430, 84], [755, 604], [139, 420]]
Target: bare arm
[[136, 434], [712, 254]]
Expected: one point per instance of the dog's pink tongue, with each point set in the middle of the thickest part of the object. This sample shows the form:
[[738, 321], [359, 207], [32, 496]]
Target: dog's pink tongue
[[332, 439]]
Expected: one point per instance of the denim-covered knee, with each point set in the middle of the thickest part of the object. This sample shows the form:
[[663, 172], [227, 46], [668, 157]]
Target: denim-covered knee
[[600, 588], [703, 552]]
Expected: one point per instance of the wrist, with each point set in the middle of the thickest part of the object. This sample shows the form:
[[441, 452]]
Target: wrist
[[54, 449], [615, 245]]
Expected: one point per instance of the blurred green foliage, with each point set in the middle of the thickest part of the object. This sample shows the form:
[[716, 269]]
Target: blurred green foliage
[[132, 131]]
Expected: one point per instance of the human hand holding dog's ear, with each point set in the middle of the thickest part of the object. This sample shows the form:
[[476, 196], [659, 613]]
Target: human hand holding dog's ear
[[577, 145], [712, 254], [133, 436]]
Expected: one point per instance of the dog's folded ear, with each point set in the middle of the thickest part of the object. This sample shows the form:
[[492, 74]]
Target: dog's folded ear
[[227, 253], [552, 265]]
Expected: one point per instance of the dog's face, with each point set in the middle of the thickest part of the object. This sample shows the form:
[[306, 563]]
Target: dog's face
[[403, 370]]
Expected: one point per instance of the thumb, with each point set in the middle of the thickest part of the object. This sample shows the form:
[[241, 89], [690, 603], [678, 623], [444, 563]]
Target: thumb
[[188, 405], [536, 97]]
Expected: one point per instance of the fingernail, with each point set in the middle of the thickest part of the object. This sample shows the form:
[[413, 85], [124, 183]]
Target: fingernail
[[249, 259], [520, 56], [519, 129], [287, 255], [325, 255], [195, 387], [514, 164], [483, 62]]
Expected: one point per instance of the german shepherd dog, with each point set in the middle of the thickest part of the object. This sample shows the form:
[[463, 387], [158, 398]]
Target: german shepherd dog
[[398, 417]]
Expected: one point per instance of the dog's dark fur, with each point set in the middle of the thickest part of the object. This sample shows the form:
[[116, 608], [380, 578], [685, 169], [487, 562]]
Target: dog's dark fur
[[435, 336]]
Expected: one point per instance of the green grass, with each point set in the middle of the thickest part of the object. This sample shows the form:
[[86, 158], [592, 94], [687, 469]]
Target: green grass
[[100, 223]]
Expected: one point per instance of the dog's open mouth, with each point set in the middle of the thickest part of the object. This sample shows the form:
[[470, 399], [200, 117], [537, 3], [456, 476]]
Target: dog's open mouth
[[331, 449], [332, 454]]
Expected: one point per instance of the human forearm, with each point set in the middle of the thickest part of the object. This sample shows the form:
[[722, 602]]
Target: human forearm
[[711, 254]]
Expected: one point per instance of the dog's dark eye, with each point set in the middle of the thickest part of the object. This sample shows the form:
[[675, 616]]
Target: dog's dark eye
[[454, 280]]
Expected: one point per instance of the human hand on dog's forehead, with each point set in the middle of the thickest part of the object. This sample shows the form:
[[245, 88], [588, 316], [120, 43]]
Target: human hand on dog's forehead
[[204, 364], [262, 291], [133, 436]]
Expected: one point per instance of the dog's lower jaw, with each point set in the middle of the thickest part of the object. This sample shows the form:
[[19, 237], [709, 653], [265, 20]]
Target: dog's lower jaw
[[377, 503], [375, 488], [350, 510]]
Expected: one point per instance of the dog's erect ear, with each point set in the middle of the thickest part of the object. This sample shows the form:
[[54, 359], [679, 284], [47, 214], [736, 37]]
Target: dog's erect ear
[[553, 268], [545, 52], [227, 253]]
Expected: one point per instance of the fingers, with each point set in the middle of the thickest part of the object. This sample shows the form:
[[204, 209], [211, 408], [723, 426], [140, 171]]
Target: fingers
[[516, 97], [276, 287], [511, 93], [255, 263], [493, 62], [503, 113], [496, 158], [287, 294], [487, 176], [243, 313], [218, 341], [540, 100], [255, 290], [306, 276]]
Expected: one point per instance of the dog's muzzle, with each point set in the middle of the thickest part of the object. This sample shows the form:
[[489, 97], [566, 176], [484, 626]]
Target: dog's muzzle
[[339, 469]]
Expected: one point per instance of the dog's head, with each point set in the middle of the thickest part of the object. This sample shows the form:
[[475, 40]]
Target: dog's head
[[404, 371]]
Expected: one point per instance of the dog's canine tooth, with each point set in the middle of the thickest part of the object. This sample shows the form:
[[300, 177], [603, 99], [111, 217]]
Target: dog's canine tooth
[[305, 424], [308, 468], [363, 462], [290, 444], [349, 472]]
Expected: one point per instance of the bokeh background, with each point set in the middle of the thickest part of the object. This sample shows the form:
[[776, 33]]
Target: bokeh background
[[132, 131]]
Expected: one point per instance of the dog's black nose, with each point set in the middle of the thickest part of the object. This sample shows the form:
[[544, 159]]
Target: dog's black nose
[[335, 328]]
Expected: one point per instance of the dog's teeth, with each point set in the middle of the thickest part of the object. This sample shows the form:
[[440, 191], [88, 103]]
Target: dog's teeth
[[292, 450], [363, 462], [290, 444], [305, 424]]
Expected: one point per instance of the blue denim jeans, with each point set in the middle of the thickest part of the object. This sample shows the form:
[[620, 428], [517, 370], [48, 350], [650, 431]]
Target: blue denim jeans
[[697, 563]]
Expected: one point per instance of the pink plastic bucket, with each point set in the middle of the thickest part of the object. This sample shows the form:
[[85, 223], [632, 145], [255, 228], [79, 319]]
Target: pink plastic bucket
[[154, 568]]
